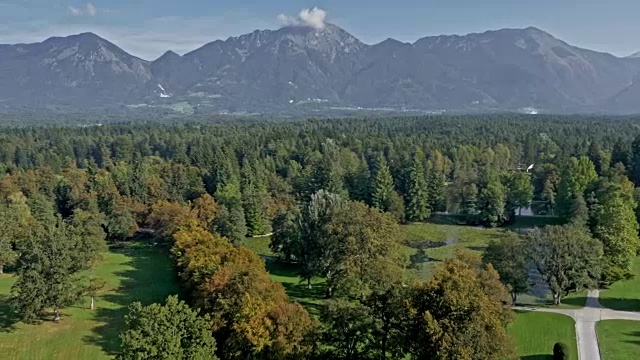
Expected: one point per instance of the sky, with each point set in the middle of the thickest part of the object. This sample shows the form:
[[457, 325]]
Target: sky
[[148, 28]]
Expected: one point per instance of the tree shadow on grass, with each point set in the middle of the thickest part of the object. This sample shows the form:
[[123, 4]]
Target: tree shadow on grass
[[278, 268], [537, 357], [634, 334], [8, 317], [298, 291], [306, 297], [620, 304], [579, 301], [150, 278]]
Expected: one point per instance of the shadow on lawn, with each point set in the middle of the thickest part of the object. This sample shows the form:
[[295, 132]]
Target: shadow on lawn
[[8, 318], [537, 357], [301, 294], [580, 301], [621, 304], [634, 334], [150, 279]]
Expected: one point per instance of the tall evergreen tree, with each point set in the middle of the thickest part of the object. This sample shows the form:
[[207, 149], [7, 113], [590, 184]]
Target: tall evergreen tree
[[634, 171], [417, 197], [621, 153], [382, 186], [436, 185]]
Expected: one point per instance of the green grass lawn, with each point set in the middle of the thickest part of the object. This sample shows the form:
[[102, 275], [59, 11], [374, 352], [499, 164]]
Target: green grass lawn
[[624, 295], [259, 245], [133, 274], [535, 334], [619, 339]]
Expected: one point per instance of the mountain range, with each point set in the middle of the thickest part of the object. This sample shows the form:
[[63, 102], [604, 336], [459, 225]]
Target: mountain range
[[307, 68]]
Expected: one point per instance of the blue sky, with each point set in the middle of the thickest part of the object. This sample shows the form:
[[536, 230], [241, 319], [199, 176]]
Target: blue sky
[[147, 28]]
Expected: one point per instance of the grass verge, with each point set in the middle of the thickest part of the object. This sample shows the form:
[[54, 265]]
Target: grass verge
[[619, 339], [535, 333]]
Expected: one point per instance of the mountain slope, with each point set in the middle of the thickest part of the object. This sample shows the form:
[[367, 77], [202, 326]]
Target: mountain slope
[[283, 69], [80, 69]]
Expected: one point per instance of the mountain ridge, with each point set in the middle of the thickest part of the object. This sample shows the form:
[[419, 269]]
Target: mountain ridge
[[275, 70]]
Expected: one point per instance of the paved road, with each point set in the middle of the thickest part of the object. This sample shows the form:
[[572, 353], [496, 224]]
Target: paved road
[[586, 319]]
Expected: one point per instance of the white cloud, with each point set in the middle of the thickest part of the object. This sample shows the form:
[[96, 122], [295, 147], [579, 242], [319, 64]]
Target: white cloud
[[89, 10], [314, 18], [75, 11]]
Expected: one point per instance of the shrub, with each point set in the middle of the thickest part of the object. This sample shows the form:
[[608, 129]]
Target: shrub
[[560, 351]]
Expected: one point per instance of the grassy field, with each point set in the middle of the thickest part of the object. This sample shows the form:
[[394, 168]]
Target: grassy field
[[535, 334], [624, 295], [135, 274], [619, 339]]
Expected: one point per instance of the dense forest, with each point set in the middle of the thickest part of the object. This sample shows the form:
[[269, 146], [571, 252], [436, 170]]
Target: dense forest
[[331, 193]]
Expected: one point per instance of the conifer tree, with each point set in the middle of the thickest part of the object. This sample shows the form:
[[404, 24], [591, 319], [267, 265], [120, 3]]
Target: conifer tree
[[417, 198], [382, 185]]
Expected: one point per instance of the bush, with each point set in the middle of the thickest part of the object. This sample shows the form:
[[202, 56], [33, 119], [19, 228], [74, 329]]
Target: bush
[[560, 351]]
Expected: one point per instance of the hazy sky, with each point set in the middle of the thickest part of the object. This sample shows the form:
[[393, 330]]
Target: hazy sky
[[147, 28]]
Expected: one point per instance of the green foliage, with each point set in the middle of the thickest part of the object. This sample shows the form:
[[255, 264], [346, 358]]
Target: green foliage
[[171, 331], [349, 328], [47, 272], [613, 222], [348, 243], [577, 175], [15, 227], [231, 223], [519, 191], [566, 258], [382, 186], [492, 201], [508, 257], [417, 208]]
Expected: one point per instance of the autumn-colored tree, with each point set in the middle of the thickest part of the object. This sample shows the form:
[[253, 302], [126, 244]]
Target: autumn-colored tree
[[166, 218], [455, 316], [250, 314], [205, 209]]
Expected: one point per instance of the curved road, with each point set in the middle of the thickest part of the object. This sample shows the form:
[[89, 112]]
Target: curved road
[[586, 319]]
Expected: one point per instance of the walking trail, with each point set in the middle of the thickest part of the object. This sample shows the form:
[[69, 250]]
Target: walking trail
[[586, 319]]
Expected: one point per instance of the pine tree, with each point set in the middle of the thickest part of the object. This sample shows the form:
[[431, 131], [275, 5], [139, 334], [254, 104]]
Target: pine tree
[[634, 171], [417, 208], [621, 153], [436, 187], [382, 185]]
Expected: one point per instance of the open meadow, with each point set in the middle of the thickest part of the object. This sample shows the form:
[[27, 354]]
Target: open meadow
[[133, 274]]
